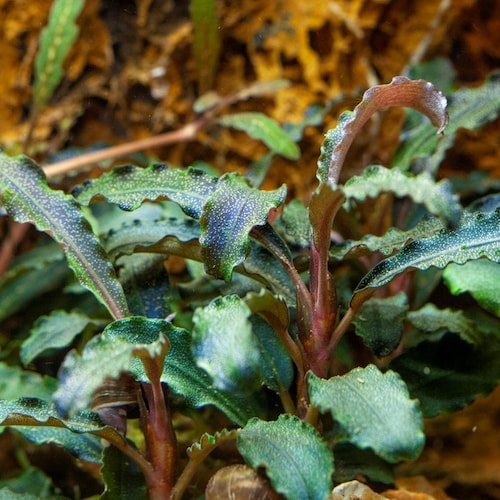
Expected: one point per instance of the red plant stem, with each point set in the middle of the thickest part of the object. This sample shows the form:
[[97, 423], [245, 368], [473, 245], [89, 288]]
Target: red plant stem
[[323, 314], [160, 438]]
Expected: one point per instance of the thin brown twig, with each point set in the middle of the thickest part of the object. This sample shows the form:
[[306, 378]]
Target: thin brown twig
[[185, 133]]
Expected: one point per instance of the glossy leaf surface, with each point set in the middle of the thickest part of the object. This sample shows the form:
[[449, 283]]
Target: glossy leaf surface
[[435, 196], [379, 323], [188, 188], [296, 459], [225, 347], [479, 278], [230, 213], [416, 94], [27, 198], [477, 236], [373, 410]]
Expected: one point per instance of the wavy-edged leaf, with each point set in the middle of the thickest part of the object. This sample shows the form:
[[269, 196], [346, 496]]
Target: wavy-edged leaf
[[477, 236], [130, 186], [393, 239], [479, 278], [447, 375], [373, 410], [262, 127], [437, 197], [54, 331], [295, 224], [146, 284], [297, 460], [417, 94], [140, 234], [33, 412], [27, 198], [209, 442], [230, 213], [379, 323], [469, 108], [107, 356], [44, 265], [180, 371], [56, 40], [225, 347], [432, 321]]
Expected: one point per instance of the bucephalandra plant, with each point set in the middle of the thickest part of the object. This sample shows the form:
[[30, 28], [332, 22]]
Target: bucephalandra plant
[[260, 331]]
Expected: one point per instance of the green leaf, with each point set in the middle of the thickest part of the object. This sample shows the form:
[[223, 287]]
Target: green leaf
[[180, 371], [447, 375], [54, 331], [34, 413], [393, 239], [350, 462], [17, 383], [431, 320], [44, 265], [295, 224], [379, 323], [138, 235], [31, 481], [146, 284], [27, 198], [188, 188], [477, 236], [479, 278], [469, 108], [276, 365], [56, 40], [437, 197], [225, 347], [84, 446], [122, 478], [209, 442], [230, 213], [207, 40], [107, 356], [261, 127], [416, 94], [373, 410], [297, 461]]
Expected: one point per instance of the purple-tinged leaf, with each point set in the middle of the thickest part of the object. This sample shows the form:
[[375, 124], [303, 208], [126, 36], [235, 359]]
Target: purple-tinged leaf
[[27, 198], [417, 94], [230, 213]]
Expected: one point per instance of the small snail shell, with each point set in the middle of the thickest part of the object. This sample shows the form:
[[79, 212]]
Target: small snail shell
[[239, 482], [113, 400]]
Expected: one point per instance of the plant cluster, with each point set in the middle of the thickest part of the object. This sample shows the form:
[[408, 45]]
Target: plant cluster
[[297, 338]]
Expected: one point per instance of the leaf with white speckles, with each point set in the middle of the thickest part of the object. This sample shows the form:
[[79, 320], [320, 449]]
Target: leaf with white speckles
[[27, 198], [417, 94], [477, 236], [228, 217], [130, 186], [437, 197]]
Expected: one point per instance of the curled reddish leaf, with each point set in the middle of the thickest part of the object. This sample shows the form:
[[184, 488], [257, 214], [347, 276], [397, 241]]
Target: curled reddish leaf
[[417, 94]]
